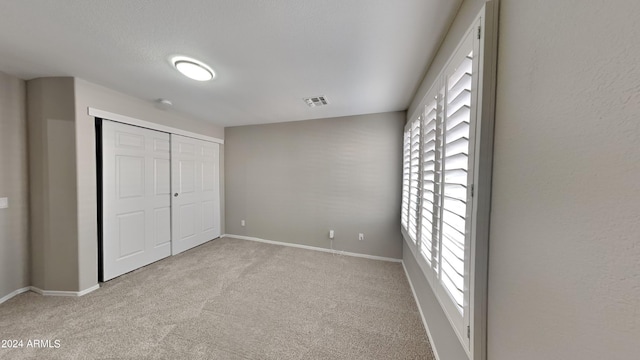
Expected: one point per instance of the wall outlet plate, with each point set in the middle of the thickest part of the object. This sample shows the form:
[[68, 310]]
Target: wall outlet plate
[[331, 234], [4, 203], [360, 236]]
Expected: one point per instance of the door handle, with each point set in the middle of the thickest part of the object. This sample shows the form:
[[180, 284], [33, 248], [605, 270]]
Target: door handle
[[175, 195]]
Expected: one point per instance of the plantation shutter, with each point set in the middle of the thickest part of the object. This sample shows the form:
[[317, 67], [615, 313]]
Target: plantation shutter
[[430, 177], [406, 173], [456, 165], [414, 180], [444, 157]]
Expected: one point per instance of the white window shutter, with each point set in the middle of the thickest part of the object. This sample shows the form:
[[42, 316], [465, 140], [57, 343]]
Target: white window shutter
[[445, 221], [414, 181], [406, 173], [456, 166], [430, 168]]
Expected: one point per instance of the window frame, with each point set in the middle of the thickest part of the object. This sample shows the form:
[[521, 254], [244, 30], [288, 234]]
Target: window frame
[[483, 33]]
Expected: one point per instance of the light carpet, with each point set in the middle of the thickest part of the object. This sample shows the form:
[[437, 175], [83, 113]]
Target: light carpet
[[230, 299]]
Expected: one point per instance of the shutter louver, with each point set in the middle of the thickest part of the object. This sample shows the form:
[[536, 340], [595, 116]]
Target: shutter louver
[[414, 181], [406, 172], [430, 168], [455, 166]]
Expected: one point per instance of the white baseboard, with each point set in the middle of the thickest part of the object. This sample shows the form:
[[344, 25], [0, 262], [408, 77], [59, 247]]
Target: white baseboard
[[424, 321], [307, 247], [14, 293], [64, 293]]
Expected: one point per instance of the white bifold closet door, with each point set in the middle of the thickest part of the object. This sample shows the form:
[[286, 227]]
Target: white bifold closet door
[[195, 207], [136, 181]]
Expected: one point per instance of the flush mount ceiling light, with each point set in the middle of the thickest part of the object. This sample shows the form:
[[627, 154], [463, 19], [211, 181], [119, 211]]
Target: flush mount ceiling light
[[192, 68]]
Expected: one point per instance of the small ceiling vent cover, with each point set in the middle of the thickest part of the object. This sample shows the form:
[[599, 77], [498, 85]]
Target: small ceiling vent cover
[[316, 101]]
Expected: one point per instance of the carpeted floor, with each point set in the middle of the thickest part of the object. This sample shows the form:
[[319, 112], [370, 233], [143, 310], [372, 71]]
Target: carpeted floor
[[230, 299]]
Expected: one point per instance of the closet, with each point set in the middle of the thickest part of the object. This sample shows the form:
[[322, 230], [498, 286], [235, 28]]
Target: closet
[[160, 195]]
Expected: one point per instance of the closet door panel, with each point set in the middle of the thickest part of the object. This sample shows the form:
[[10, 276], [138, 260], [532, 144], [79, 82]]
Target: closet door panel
[[195, 188], [136, 197]]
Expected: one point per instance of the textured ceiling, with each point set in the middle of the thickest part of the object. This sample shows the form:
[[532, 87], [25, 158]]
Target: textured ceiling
[[366, 56]]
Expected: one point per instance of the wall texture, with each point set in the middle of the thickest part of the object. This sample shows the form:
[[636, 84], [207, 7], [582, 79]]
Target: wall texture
[[52, 187], [14, 235], [292, 182], [564, 277]]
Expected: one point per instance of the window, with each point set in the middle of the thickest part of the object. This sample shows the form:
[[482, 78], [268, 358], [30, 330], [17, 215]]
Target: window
[[443, 167]]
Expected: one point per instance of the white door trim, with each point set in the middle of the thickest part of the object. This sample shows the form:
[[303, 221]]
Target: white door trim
[[149, 125]]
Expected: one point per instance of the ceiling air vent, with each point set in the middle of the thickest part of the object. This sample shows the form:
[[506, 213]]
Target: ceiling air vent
[[316, 101]]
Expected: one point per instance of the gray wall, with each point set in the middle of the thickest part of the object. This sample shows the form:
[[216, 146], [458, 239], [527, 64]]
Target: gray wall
[[564, 254], [564, 273], [52, 186], [14, 237], [292, 182]]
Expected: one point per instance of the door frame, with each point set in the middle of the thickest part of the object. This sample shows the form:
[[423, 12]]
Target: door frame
[[97, 113], [100, 115]]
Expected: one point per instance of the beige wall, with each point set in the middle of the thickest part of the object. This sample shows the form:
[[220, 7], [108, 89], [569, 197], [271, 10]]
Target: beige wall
[[52, 186], [91, 95], [14, 236], [564, 276], [292, 182]]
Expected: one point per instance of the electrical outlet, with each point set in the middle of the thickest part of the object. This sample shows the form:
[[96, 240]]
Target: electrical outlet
[[360, 236], [242, 223], [4, 203], [331, 234]]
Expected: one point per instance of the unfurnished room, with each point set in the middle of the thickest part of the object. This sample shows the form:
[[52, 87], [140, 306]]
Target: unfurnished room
[[356, 179]]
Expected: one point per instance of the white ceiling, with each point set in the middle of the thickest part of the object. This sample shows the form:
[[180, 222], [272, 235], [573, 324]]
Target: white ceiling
[[366, 56]]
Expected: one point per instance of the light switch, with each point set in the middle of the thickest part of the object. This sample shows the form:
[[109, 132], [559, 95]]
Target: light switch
[[4, 203]]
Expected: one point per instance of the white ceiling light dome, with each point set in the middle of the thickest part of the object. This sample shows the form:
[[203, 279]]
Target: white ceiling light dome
[[192, 68]]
